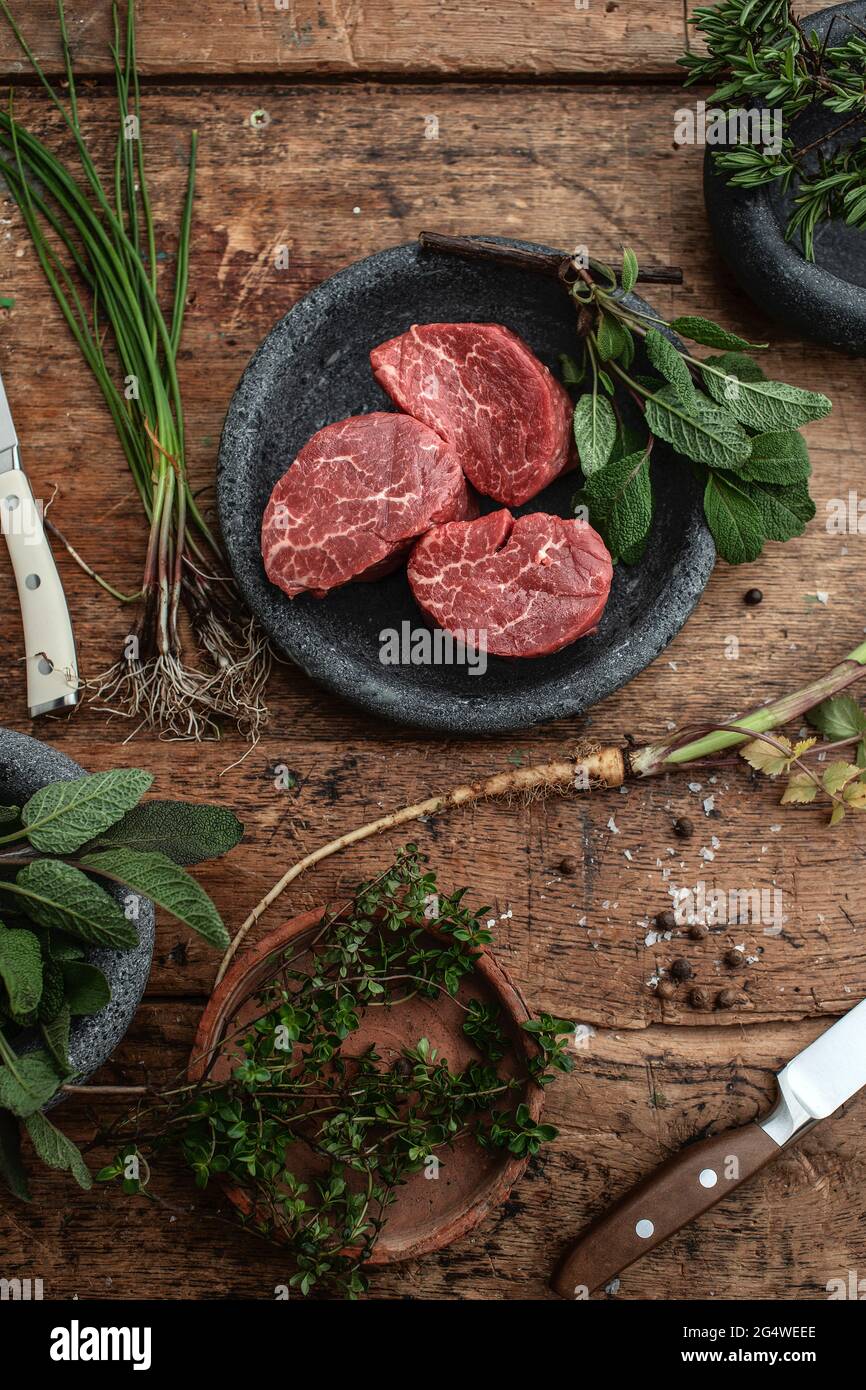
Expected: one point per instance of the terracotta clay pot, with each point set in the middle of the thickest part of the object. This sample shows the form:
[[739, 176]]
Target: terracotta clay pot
[[427, 1213]]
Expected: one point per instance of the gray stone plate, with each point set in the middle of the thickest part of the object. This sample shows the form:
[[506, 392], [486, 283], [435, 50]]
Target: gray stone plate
[[312, 369], [25, 766]]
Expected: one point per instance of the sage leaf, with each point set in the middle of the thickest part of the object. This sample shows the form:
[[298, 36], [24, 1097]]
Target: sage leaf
[[56, 1150], [86, 988], [703, 431], [837, 718], [709, 334], [21, 969], [11, 1168], [183, 830], [572, 372], [62, 816], [614, 339], [628, 279], [169, 885], [55, 894], [737, 364], [734, 521], [767, 405], [594, 431], [9, 814], [621, 505], [670, 364], [778, 456], [785, 511], [55, 1036], [30, 1086]]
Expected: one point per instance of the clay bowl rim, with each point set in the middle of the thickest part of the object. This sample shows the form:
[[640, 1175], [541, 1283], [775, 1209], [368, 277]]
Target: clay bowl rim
[[236, 986]]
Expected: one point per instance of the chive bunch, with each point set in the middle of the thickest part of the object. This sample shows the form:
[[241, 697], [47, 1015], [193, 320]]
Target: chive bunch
[[97, 248]]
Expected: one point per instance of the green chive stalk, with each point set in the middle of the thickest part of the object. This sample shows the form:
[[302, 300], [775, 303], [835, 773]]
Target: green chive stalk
[[96, 245]]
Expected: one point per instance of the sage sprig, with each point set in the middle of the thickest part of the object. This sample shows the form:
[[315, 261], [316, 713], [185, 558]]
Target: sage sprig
[[60, 855], [739, 431]]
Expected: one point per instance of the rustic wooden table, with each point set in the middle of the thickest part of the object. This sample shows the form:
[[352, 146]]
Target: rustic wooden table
[[555, 123]]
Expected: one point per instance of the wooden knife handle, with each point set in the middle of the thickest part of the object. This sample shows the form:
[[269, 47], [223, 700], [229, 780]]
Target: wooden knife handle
[[688, 1184]]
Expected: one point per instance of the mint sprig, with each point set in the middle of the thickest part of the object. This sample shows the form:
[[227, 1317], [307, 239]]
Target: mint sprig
[[738, 430]]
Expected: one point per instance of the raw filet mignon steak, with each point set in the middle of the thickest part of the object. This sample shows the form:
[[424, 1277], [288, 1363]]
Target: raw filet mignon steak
[[354, 500], [479, 386], [532, 584]]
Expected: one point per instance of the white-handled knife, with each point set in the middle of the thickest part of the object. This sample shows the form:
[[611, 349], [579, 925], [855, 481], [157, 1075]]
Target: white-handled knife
[[52, 667], [819, 1079]]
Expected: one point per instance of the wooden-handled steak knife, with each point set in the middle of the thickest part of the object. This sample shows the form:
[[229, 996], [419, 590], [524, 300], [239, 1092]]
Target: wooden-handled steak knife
[[52, 668], [819, 1079]]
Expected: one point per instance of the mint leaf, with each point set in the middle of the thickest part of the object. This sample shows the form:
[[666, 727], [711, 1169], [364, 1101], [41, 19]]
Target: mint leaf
[[670, 364], [734, 521], [170, 886], [62, 816], [785, 511], [55, 894], [185, 831], [621, 505], [56, 1150], [86, 988], [709, 334], [839, 717], [11, 1168], [778, 456], [594, 431], [628, 279], [766, 405], [33, 1083], [21, 970], [703, 431]]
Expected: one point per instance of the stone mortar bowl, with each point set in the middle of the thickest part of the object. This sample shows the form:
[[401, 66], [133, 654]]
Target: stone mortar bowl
[[25, 766], [824, 300]]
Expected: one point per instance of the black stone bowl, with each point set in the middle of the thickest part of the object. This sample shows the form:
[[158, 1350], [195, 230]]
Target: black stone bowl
[[25, 766], [312, 369], [824, 300]]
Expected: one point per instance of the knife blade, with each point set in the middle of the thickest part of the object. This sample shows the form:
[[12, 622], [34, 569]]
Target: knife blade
[[49, 645], [812, 1086]]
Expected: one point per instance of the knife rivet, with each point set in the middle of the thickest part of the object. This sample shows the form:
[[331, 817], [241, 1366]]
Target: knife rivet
[[12, 502], [644, 1229], [45, 666], [33, 581], [708, 1177]]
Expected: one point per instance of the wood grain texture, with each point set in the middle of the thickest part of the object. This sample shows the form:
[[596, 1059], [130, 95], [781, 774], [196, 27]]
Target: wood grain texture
[[513, 162], [515, 38]]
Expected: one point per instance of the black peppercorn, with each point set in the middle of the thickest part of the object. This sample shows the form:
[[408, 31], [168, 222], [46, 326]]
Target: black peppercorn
[[568, 865], [752, 597], [734, 958], [666, 921], [683, 827], [681, 970]]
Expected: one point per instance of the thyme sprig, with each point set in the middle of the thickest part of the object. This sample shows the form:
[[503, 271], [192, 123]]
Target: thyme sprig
[[298, 1088]]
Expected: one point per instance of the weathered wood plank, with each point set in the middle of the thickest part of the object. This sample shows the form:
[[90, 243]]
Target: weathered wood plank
[[633, 1099], [518, 38]]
